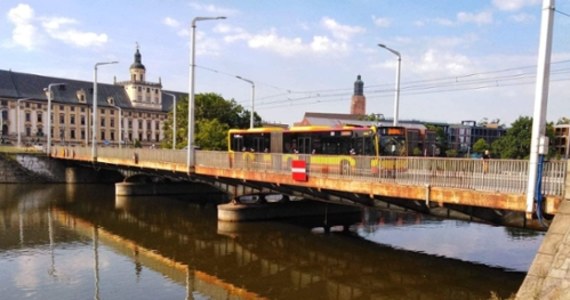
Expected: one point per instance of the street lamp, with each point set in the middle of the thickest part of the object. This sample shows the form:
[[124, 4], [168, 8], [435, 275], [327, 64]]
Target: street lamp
[[94, 137], [49, 116], [18, 127], [173, 119], [252, 99], [397, 97], [120, 125], [190, 154]]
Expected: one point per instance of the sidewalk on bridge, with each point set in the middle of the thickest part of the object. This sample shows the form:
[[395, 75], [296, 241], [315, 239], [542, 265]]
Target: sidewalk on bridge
[[549, 274]]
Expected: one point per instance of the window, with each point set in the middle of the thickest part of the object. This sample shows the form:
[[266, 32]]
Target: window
[[72, 119], [112, 136], [148, 90], [28, 131], [82, 120], [39, 106], [156, 137], [61, 107], [72, 108], [83, 109], [102, 135], [72, 134], [102, 121], [82, 134], [130, 124], [62, 119], [148, 125], [112, 123], [39, 117], [28, 117], [156, 125], [27, 104]]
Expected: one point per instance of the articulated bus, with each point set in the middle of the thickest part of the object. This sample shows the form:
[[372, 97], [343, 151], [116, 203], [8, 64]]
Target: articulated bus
[[327, 149]]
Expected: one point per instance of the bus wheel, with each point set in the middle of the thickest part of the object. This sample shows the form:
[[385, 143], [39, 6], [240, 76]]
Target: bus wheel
[[344, 167]]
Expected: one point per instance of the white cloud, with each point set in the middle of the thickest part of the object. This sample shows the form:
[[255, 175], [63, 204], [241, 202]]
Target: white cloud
[[24, 33], [340, 31], [484, 17], [170, 22], [275, 43], [57, 28], [321, 44], [437, 63], [513, 5], [381, 22], [210, 8], [522, 18], [27, 35]]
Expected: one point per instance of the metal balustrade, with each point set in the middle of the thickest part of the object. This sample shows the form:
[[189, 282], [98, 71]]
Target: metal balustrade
[[493, 175]]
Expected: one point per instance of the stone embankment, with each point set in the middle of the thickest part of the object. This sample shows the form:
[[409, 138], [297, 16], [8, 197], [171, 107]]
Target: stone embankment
[[29, 168]]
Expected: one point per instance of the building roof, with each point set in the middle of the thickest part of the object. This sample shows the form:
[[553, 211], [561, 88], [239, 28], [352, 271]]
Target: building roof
[[17, 85], [337, 120]]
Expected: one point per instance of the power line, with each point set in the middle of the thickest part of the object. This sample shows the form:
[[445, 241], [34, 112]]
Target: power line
[[561, 12]]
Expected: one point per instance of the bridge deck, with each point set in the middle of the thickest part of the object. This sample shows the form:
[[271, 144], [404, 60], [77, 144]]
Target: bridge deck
[[498, 184]]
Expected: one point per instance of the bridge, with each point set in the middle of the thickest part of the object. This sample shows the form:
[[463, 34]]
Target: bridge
[[485, 190]]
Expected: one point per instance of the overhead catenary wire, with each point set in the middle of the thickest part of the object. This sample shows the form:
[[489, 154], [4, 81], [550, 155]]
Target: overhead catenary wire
[[291, 97]]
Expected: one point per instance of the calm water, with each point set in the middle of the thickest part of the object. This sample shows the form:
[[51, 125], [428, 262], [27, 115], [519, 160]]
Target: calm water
[[80, 242]]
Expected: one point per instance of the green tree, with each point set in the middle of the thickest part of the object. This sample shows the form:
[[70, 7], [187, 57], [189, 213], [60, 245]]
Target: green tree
[[211, 134], [208, 106], [480, 146], [515, 144], [451, 153]]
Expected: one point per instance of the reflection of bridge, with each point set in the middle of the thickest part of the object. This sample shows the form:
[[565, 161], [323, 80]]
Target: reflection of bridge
[[277, 261], [492, 190]]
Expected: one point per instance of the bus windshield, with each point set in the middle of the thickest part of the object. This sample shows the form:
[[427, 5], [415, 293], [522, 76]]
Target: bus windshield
[[392, 141]]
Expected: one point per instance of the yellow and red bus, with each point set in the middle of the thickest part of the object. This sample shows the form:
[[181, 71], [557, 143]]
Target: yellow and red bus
[[328, 149]]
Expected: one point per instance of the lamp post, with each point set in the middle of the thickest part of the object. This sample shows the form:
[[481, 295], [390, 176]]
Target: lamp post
[[120, 125], [18, 127], [397, 96], [94, 137], [252, 99], [48, 148], [173, 119], [190, 154]]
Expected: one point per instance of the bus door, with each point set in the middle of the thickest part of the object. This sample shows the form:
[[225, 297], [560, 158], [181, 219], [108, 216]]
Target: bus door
[[305, 145]]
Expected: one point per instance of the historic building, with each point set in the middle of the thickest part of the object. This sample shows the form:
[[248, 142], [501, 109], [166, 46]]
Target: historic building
[[140, 106], [358, 103]]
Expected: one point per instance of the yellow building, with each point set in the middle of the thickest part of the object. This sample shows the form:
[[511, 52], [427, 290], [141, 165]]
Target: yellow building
[[141, 107]]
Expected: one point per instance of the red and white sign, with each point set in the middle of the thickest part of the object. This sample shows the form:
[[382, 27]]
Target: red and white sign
[[299, 170]]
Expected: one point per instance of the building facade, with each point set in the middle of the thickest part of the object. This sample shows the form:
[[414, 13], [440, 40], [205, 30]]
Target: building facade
[[141, 108], [461, 137], [562, 140]]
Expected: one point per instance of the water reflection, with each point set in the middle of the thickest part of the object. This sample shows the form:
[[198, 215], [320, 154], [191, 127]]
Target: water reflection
[[102, 247]]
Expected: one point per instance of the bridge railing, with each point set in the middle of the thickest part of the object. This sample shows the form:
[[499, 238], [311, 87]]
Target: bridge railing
[[506, 176]]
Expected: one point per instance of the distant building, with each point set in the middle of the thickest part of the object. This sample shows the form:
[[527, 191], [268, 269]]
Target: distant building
[[562, 140], [143, 104], [461, 137], [358, 103]]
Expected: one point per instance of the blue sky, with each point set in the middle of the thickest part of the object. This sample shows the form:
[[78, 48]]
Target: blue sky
[[461, 60]]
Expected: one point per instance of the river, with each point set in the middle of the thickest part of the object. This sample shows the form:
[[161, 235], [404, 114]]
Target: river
[[82, 242]]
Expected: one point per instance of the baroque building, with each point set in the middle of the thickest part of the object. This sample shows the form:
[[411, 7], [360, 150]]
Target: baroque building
[[141, 108]]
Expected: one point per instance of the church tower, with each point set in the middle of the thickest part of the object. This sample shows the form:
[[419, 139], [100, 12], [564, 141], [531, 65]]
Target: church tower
[[143, 94], [358, 103]]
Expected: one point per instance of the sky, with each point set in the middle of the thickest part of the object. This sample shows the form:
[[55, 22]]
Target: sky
[[460, 60]]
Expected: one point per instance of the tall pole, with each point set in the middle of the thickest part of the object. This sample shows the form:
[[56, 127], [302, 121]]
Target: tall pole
[[94, 133], [173, 119], [48, 148], [18, 126], [397, 96], [540, 99], [252, 99], [190, 153]]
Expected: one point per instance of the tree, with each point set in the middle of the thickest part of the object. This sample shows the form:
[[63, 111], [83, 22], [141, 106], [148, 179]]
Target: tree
[[480, 146], [211, 134], [515, 144], [208, 106], [563, 120]]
